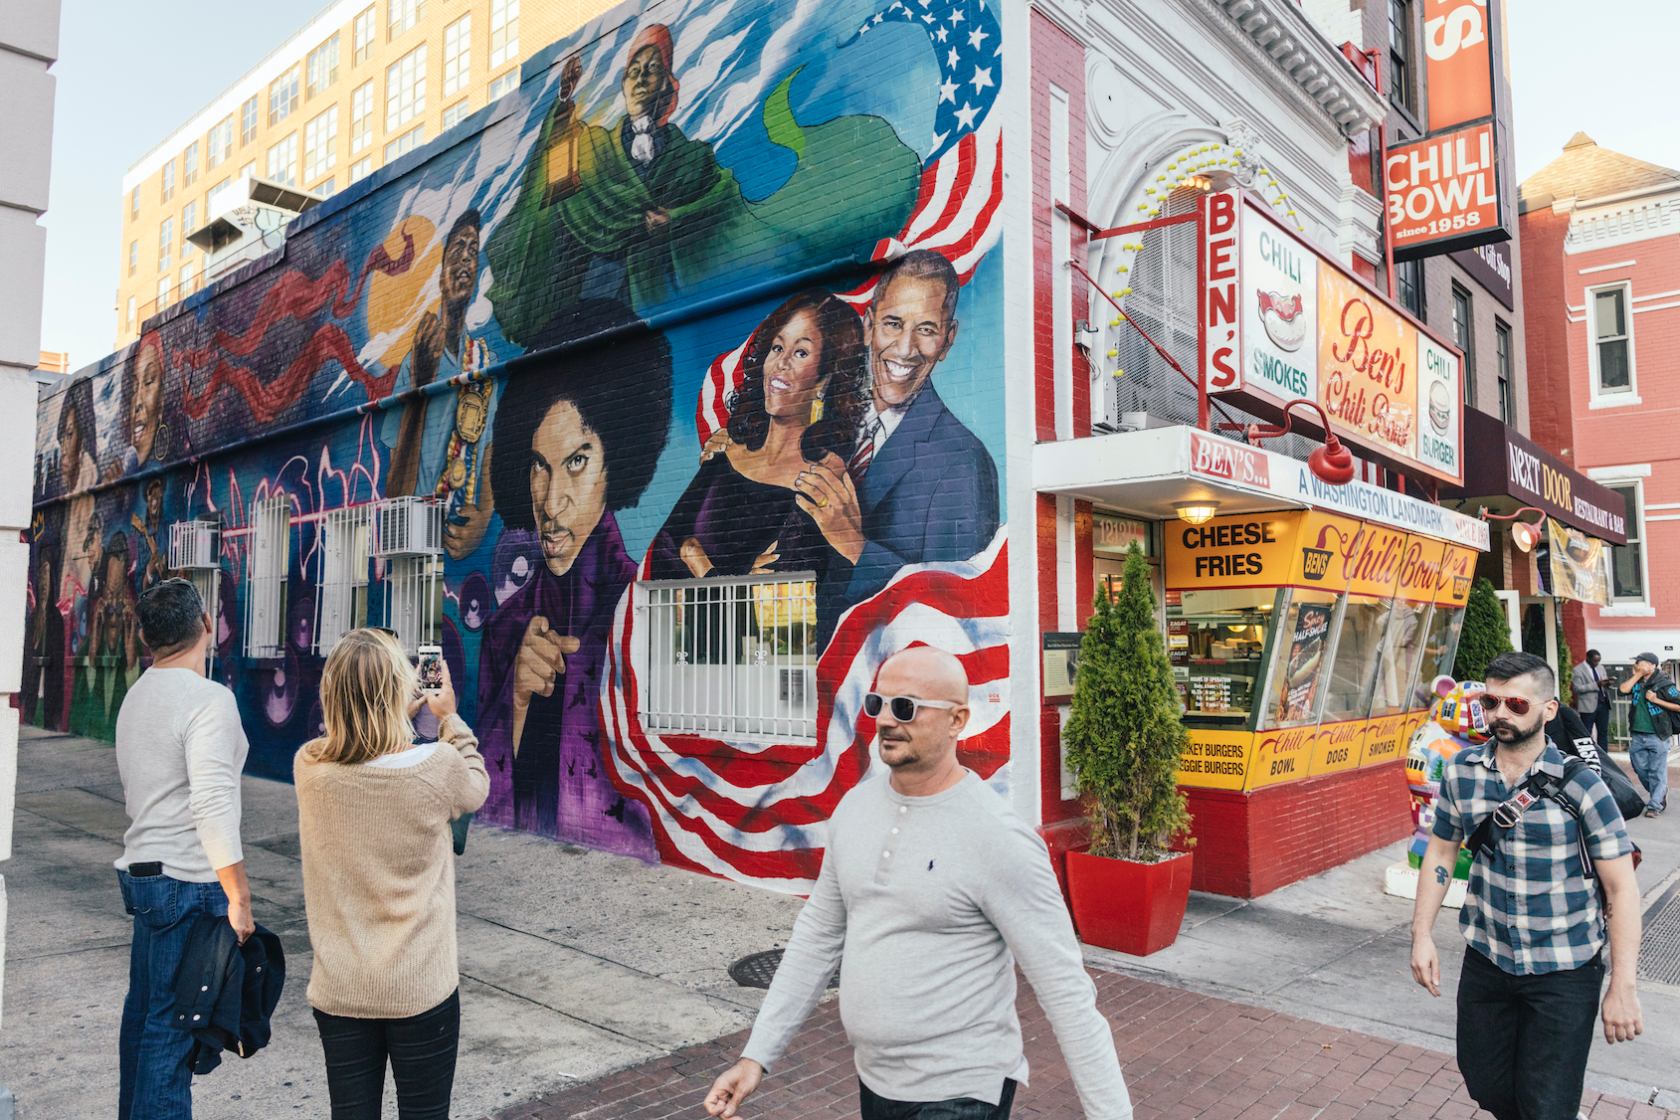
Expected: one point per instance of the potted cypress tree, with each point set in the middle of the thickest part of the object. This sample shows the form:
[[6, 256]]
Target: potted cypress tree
[[1128, 890], [1486, 632]]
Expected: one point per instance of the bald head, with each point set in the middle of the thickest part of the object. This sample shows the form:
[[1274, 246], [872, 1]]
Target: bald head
[[925, 673]]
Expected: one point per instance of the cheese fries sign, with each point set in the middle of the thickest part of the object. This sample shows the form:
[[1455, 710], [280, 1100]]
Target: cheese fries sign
[[1293, 324]]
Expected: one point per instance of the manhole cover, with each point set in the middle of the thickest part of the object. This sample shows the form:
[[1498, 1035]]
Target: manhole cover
[[757, 970], [1659, 949]]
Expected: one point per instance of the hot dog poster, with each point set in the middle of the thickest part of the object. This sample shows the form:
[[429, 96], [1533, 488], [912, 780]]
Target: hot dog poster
[[1306, 657]]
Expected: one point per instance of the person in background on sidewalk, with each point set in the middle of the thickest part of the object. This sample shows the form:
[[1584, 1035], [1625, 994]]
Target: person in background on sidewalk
[[931, 891], [180, 752], [379, 878], [1534, 917], [1591, 699], [1651, 724]]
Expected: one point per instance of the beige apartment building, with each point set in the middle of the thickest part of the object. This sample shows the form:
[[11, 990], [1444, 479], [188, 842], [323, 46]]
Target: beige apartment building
[[364, 82]]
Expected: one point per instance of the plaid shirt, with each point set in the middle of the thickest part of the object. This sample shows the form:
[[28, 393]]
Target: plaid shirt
[[1529, 909]]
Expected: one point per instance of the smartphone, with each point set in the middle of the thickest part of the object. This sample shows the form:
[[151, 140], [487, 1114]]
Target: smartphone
[[430, 668]]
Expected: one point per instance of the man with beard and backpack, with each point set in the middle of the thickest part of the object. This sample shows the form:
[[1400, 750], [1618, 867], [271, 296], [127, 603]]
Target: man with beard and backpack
[[1551, 880]]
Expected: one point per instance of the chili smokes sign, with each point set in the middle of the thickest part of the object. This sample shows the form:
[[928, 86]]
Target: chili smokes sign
[[1284, 322]]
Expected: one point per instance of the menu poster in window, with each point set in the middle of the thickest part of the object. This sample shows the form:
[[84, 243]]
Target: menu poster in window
[[1306, 657]]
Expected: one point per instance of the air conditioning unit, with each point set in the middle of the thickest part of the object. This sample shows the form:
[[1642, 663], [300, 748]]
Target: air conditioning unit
[[194, 546], [408, 527]]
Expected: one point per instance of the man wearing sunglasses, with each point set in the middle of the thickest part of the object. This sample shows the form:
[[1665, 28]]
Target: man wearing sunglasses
[[1535, 916], [931, 891]]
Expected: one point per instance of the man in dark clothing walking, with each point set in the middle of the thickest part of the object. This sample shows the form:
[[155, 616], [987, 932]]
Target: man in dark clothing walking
[[1534, 916], [1592, 698], [1651, 722]]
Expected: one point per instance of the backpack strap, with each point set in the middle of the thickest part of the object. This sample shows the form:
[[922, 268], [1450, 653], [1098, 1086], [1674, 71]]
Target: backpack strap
[[1506, 815]]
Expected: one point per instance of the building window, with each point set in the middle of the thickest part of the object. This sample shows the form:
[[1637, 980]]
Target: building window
[[133, 309], [283, 161], [221, 142], [248, 121], [1612, 338], [322, 66], [1408, 284], [265, 585], [134, 203], [133, 256], [162, 300], [189, 164], [405, 89], [320, 144], [168, 181], [1628, 560], [504, 31], [216, 192], [1402, 78], [1464, 335], [362, 35], [361, 117], [732, 657], [400, 15], [166, 242], [407, 142], [327, 187], [504, 85], [361, 169], [455, 114], [189, 222], [457, 55], [282, 96], [186, 288], [343, 577], [1502, 351], [249, 171]]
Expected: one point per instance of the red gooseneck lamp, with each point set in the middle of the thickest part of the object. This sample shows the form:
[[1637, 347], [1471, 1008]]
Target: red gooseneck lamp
[[1524, 534], [1332, 463]]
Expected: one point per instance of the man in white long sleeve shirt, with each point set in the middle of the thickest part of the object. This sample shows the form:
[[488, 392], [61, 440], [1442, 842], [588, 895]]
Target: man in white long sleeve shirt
[[931, 891], [180, 751]]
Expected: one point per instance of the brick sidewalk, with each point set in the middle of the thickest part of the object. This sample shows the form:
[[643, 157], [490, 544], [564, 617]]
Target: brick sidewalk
[[1185, 1056]]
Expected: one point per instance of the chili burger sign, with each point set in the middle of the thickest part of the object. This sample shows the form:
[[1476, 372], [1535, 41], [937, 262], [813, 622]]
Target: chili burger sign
[[1281, 321]]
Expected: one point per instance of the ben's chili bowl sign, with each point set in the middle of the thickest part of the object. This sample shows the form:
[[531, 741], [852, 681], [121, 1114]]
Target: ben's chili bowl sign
[[1305, 328]]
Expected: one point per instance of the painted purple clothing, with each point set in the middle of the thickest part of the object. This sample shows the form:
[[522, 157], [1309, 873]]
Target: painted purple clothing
[[557, 785], [735, 519]]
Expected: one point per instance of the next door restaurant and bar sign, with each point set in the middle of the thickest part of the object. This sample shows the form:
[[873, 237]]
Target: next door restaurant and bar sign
[[1281, 321], [1503, 461]]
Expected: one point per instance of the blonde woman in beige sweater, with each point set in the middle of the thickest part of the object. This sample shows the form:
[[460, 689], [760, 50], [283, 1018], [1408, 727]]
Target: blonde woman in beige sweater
[[379, 878]]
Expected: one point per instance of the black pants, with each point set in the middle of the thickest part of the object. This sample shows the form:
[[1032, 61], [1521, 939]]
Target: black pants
[[1523, 1040], [965, 1108], [1599, 722], [421, 1051]]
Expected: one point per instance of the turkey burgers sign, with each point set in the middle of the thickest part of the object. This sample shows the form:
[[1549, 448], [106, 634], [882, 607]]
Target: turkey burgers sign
[[1282, 322]]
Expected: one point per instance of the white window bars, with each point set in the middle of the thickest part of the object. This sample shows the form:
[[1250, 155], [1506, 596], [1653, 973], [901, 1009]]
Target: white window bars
[[269, 562], [732, 657], [342, 596]]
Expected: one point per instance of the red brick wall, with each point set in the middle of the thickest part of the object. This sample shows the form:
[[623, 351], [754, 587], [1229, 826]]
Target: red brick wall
[[1251, 844], [1550, 415]]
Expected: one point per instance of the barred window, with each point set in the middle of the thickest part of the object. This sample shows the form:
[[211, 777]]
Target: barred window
[[269, 562], [732, 656], [342, 600]]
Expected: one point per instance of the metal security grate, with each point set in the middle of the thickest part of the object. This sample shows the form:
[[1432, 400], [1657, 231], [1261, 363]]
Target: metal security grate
[[1659, 950], [757, 970]]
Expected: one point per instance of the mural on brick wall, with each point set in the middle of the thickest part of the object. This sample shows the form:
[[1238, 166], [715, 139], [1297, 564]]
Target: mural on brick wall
[[694, 339]]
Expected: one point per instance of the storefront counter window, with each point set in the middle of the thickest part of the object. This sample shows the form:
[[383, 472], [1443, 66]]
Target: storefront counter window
[[1217, 642], [1441, 646], [1403, 643], [1304, 642], [1358, 657]]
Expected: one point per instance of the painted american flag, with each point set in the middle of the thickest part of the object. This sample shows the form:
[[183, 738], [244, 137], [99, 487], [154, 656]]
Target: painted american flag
[[758, 812]]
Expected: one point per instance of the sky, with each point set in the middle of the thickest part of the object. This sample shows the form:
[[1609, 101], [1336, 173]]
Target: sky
[[128, 73]]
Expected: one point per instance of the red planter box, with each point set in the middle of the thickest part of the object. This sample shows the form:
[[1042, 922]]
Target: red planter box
[[1134, 908]]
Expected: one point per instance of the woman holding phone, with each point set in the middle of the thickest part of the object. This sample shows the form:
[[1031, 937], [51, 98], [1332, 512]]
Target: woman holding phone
[[374, 813]]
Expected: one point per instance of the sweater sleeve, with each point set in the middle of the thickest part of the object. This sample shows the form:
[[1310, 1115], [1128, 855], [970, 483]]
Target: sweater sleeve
[[472, 784], [812, 955], [213, 740], [1023, 901]]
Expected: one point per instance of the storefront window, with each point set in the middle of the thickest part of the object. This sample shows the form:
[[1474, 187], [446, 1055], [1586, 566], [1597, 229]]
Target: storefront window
[[1303, 643], [1402, 644], [1442, 645], [1353, 676], [1217, 642]]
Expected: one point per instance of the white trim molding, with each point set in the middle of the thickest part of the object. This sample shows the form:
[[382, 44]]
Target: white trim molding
[[1606, 267], [1624, 473]]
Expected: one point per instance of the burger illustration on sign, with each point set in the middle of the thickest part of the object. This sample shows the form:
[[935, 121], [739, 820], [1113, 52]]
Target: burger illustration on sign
[[1440, 407], [1282, 318]]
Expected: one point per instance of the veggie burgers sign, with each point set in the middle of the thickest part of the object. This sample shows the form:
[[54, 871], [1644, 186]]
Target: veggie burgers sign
[[1281, 321]]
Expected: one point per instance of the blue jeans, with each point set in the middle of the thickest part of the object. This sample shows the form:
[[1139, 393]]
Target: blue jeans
[[1649, 755], [1523, 1040], [154, 1082], [876, 1107]]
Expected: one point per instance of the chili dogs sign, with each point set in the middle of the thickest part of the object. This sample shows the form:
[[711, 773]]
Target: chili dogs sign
[[1281, 322]]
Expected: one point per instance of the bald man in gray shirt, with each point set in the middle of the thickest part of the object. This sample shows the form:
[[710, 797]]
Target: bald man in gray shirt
[[930, 893]]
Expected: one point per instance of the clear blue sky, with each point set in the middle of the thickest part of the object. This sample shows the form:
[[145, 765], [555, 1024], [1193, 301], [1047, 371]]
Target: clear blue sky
[[129, 72]]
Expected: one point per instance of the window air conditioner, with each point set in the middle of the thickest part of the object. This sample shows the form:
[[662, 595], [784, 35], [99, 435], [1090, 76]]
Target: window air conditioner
[[194, 546], [408, 527]]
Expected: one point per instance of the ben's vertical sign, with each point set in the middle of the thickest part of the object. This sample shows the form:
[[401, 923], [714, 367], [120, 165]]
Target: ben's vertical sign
[[1446, 191]]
